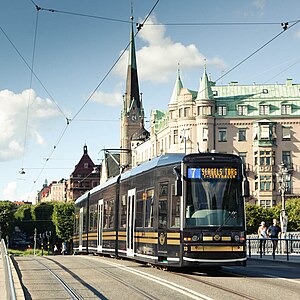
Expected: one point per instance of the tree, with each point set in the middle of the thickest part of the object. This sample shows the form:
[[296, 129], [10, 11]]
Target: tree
[[23, 219], [42, 215], [293, 211], [63, 219], [6, 218]]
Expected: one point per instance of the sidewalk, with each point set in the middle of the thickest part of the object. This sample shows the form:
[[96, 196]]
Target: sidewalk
[[2, 284], [17, 284], [293, 258]]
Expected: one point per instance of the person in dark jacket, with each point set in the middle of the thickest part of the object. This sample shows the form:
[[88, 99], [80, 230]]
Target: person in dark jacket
[[273, 232]]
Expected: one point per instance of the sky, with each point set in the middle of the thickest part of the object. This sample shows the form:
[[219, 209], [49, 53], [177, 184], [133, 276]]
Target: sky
[[61, 88]]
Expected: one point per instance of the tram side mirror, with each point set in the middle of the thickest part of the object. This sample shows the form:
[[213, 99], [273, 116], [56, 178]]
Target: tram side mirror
[[246, 188], [178, 187], [178, 182]]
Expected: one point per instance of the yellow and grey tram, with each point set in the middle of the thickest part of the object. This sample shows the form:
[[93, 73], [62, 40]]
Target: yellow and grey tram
[[174, 210]]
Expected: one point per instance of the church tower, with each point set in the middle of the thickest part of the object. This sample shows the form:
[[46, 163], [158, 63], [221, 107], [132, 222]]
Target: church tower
[[132, 115]]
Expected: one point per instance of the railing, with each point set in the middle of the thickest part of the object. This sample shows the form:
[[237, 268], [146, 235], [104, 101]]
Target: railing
[[290, 244], [8, 279]]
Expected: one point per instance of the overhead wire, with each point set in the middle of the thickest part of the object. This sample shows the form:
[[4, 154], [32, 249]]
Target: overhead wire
[[29, 95], [88, 99], [34, 74], [139, 26], [256, 51], [53, 10], [114, 64]]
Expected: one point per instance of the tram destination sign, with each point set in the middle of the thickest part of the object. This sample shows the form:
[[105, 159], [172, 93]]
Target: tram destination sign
[[212, 173]]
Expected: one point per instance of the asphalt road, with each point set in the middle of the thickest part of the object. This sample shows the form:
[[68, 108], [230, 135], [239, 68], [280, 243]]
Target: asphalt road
[[96, 277]]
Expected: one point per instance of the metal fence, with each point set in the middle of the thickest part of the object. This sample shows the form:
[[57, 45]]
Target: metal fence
[[287, 245], [8, 279]]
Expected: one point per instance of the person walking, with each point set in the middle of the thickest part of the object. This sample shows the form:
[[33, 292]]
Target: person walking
[[274, 231], [63, 248], [262, 235]]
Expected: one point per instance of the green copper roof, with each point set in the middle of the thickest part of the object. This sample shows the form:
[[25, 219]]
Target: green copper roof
[[204, 92], [178, 86]]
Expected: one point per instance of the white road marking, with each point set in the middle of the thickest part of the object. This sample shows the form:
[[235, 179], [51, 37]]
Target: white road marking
[[173, 286], [282, 278]]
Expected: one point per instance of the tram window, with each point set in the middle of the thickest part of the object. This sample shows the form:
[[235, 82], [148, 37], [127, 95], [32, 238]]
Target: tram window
[[149, 208], [163, 190], [105, 213], [111, 214], [93, 217], [123, 211], [162, 214], [76, 225], [84, 227], [139, 213], [175, 209]]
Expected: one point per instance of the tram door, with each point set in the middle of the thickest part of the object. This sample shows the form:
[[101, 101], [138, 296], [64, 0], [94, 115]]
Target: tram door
[[100, 225], [162, 220], [80, 228], [130, 222]]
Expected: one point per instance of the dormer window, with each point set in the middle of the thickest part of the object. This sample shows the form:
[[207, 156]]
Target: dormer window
[[222, 110], [264, 109], [242, 110], [286, 109]]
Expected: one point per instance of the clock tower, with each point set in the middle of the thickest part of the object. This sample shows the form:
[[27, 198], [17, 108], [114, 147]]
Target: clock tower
[[132, 115]]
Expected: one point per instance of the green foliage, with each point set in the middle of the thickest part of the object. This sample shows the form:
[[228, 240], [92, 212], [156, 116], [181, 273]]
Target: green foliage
[[255, 214], [63, 219], [42, 215], [6, 217], [23, 219], [293, 211]]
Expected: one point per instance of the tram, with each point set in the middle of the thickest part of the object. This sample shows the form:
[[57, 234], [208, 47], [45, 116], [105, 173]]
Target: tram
[[175, 210]]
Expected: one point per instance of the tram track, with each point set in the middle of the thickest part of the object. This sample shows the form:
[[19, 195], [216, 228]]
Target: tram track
[[72, 292], [108, 274], [117, 278]]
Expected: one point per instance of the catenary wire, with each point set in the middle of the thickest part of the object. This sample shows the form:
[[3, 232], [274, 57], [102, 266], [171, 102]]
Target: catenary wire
[[29, 94], [114, 64], [35, 75], [68, 120], [52, 10]]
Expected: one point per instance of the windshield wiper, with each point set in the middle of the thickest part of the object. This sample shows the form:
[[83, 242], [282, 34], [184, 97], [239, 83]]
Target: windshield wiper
[[231, 214]]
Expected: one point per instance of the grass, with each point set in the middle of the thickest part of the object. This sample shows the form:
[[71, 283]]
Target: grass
[[38, 252]]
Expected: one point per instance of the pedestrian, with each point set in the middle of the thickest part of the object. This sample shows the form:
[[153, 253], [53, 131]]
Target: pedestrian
[[55, 250], [262, 235], [274, 231], [63, 248]]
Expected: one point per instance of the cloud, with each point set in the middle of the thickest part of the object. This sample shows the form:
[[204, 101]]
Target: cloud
[[157, 61], [260, 5], [13, 120], [114, 99], [10, 190], [297, 34]]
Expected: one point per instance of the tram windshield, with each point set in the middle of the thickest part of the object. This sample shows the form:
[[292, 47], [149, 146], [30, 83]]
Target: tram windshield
[[214, 197]]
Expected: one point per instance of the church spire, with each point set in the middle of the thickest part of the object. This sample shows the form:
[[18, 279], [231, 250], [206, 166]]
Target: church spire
[[132, 84], [205, 92], [178, 86]]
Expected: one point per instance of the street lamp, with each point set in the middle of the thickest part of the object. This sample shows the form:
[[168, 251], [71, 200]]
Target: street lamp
[[283, 177]]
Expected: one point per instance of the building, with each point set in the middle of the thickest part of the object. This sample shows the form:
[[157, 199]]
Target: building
[[84, 177], [132, 130], [259, 122]]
